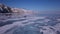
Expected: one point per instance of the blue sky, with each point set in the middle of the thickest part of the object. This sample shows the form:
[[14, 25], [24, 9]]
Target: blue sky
[[38, 5]]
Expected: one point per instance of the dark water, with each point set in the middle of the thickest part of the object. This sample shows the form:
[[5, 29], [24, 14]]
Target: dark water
[[30, 24]]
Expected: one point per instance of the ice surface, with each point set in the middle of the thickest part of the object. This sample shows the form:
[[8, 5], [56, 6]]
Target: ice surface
[[29, 24]]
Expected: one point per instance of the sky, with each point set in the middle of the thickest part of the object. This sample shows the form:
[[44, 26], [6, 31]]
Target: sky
[[36, 5]]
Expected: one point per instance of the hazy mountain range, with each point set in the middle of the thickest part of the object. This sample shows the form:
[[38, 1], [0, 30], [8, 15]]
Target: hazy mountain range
[[7, 9]]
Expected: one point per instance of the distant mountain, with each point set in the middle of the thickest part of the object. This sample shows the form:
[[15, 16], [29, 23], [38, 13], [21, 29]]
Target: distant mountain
[[7, 9]]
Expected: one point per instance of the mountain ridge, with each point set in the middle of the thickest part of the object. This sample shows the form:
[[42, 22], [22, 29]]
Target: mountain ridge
[[7, 9]]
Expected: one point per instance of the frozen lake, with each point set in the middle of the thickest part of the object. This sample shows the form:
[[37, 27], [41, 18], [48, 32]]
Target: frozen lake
[[29, 24]]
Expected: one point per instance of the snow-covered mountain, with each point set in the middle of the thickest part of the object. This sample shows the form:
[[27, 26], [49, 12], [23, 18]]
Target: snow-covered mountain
[[7, 9]]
